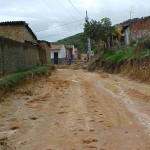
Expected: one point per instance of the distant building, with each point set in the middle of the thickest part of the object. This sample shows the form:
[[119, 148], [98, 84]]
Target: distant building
[[75, 53], [69, 50], [18, 31], [134, 30], [58, 54]]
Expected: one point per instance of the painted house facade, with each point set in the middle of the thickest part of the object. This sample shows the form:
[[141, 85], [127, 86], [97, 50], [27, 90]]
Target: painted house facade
[[17, 31], [58, 54]]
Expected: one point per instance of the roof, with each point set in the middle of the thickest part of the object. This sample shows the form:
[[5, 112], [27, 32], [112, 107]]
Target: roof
[[48, 43], [56, 47], [124, 28], [69, 47], [20, 23]]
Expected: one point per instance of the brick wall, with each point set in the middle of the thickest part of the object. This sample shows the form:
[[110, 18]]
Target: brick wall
[[16, 56], [46, 47], [16, 32], [140, 28]]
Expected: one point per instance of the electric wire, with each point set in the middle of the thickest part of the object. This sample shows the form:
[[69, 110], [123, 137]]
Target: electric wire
[[59, 25], [75, 8]]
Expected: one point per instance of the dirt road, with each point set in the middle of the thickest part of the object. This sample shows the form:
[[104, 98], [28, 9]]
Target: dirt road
[[77, 110]]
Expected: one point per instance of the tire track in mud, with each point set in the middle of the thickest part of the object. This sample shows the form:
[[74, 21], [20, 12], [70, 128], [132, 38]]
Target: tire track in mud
[[134, 98], [73, 109]]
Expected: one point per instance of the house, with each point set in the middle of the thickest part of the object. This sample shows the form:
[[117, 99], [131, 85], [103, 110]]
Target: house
[[69, 50], [58, 54], [17, 31], [75, 53], [136, 29], [46, 46]]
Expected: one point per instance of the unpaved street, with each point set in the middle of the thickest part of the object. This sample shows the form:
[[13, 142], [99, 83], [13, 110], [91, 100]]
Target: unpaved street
[[77, 110]]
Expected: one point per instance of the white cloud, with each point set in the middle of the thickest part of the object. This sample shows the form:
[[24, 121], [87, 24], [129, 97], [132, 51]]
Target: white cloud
[[47, 14]]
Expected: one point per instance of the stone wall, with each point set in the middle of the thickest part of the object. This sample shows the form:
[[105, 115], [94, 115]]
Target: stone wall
[[16, 32], [16, 56], [140, 28]]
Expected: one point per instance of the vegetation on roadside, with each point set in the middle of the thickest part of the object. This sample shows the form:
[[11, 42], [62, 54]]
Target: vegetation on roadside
[[16, 78], [138, 50]]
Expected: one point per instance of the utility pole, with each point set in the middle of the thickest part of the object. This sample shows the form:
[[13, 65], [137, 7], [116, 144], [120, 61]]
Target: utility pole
[[131, 14], [89, 40]]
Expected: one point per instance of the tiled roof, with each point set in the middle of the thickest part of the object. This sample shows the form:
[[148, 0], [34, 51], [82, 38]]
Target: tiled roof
[[69, 47], [48, 43], [23, 23], [56, 47]]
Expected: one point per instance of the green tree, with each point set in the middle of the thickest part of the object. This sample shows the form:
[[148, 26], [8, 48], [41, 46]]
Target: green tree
[[99, 30]]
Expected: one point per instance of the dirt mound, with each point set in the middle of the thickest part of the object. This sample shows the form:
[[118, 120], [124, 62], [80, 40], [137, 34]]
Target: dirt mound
[[93, 64], [137, 69]]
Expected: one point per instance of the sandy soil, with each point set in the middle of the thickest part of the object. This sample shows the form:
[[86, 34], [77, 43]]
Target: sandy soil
[[77, 110]]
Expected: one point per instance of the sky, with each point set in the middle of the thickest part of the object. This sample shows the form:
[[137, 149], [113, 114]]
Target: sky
[[53, 20]]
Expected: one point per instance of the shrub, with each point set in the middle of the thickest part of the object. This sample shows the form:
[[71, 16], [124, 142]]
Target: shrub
[[118, 56]]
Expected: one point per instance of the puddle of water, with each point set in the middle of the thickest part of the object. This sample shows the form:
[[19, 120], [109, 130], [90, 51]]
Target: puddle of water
[[75, 81], [111, 87]]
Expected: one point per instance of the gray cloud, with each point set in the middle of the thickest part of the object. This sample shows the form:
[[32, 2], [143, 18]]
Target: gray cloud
[[48, 14]]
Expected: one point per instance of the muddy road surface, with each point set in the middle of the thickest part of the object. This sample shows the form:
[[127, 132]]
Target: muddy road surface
[[77, 110]]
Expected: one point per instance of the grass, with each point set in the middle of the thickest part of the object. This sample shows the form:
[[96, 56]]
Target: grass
[[14, 79], [142, 54], [118, 56], [124, 54]]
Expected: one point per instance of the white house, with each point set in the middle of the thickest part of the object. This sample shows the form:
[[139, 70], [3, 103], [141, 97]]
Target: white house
[[58, 54]]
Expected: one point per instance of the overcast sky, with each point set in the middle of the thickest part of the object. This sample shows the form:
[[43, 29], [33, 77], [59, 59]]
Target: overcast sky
[[45, 16]]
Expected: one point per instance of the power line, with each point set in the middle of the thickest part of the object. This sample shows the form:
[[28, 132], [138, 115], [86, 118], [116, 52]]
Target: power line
[[75, 8], [48, 6], [59, 25], [62, 4], [55, 34]]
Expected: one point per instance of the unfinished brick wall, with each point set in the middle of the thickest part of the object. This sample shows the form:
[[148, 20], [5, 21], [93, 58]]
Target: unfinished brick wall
[[140, 28], [16, 56], [46, 47], [16, 32]]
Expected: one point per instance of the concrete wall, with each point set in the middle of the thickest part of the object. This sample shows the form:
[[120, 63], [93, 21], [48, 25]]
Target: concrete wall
[[16, 56], [16, 32], [127, 36]]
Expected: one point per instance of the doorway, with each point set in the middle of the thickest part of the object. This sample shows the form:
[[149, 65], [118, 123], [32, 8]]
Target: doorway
[[55, 57]]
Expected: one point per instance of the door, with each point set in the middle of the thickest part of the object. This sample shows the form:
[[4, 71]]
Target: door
[[55, 57]]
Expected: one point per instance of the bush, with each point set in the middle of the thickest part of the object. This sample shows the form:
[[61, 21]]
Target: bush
[[143, 43], [118, 56]]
